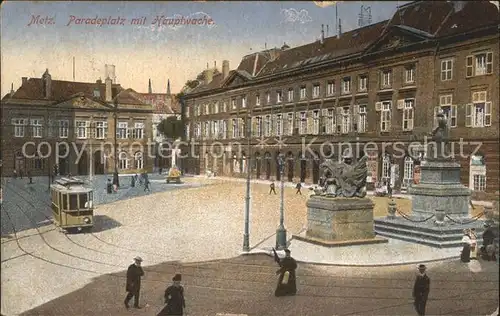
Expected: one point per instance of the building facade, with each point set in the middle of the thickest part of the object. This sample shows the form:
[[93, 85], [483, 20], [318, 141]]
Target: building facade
[[71, 125], [378, 87]]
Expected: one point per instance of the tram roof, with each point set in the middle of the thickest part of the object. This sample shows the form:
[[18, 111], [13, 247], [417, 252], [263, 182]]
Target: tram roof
[[70, 185]]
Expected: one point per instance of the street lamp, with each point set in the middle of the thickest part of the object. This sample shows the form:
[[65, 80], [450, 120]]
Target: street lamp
[[246, 236], [281, 231], [115, 174]]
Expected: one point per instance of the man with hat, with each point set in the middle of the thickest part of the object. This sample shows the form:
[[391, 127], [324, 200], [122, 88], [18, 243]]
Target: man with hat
[[134, 274], [174, 298], [286, 281], [421, 290]]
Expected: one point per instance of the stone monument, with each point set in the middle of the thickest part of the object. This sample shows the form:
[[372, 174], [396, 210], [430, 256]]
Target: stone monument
[[339, 214], [438, 197]]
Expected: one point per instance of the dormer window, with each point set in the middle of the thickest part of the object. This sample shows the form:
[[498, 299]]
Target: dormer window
[[97, 93]]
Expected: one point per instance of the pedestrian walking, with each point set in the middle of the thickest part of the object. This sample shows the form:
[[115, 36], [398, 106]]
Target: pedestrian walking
[[134, 274], [174, 298], [30, 177], [272, 188], [160, 171], [132, 181], [298, 187], [466, 241], [146, 185], [109, 187], [286, 281], [421, 290], [21, 173]]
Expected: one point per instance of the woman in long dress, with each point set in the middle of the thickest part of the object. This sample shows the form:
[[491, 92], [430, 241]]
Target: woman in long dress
[[466, 241], [473, 246], [174, 298]]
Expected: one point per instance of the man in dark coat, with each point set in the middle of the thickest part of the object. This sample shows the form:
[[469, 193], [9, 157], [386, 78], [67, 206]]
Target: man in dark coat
[[174, 298], [421, 290], [134, 274], [298, 187], [286, 282], [272, 188]]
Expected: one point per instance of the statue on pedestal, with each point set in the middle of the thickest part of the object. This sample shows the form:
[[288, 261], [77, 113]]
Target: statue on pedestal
[[440, 136], [344, 179]]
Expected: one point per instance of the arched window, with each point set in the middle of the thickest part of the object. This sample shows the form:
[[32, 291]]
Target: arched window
[[477, 174], [123, 160], [407, 172], [386, 169], [139, 162]]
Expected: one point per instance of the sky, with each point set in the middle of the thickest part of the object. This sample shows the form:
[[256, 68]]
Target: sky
[[38, 35]]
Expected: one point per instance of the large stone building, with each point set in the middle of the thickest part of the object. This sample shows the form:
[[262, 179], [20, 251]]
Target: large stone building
[[49, 122], [382, 83]]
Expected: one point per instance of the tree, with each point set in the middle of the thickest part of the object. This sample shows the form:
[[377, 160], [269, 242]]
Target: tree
[[171, 128]]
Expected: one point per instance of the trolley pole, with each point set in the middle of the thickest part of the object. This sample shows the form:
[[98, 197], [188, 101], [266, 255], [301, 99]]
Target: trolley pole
[[246, 236], [115, 174], [281, 231]]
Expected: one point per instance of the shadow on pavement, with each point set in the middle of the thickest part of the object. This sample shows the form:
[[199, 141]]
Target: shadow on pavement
[[104, 222]]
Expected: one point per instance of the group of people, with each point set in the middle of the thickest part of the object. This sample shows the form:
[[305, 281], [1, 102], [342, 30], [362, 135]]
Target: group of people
[[470, 245], [143, 179], [298, 187], [174, 294]]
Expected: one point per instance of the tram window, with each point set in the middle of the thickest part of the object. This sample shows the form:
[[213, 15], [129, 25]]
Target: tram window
[[73, 202], [65, 202], [83, 200], [55, 208]]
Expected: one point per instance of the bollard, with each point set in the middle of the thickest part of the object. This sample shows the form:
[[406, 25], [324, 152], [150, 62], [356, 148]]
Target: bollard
[[391, 209]]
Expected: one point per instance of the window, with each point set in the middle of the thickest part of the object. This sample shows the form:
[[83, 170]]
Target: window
[[331, 88], [224, 129], [479, 64], [449, 110], [197, 130], [38, 163], [279, 96], [385, 116], [316, 91], [267, 126], [97, 93], [81, 129], [122, 132], [290, 95], [123, 161], [216, 107], [446, 69], [243, 102], [315, 130], [233, 104], [19, 127], [362, 120], [63, 128], [410, 74], [101, 130], [224, 106], [268, 97], [346, 120], [477, 175], [279, 125], [478, 113], [257, 99], [407, 172], [236, 132], [329, 119], [139, 162], [386, 169], [36, 124], [206, 129], [303, 93], [290, 123], [409, 105], [346, 85], [258, 127], [386, 79], [207, 108], [362, 83], [216, 129], [303, 123]]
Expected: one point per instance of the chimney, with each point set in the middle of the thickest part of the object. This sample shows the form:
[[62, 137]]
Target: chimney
[[340, 27], [24, 80], [225, 69], [47, 84], [108, 95], [215, 64], [150, 90], [99, 81], [168, 86], [327, 27], [322, 34], [11, 88], [209, 74]]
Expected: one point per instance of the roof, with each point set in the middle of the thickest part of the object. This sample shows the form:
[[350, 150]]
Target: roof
[[63, 90]]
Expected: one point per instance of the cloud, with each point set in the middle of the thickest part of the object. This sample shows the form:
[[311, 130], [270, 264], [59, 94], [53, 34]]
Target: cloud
[[292, 16]]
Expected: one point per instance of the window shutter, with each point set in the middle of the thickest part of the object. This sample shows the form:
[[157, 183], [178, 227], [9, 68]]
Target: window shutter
[[468, 115], [105, 130], [487, 114], [453, 116], [469, 61], [378, 106], [242, 127], [355, 117], [134, 133], [401, 104], [489, 63], [128, 132]]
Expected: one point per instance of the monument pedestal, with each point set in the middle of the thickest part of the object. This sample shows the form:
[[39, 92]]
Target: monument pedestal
[[338, 221]]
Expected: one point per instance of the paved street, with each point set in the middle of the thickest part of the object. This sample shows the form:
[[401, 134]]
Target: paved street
[[245, 285], [175, 231]]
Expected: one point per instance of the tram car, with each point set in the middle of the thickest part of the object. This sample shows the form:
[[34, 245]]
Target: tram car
[[72, 205]]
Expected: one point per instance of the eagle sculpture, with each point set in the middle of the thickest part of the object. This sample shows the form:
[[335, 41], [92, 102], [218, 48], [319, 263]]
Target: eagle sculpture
[[344, 179]]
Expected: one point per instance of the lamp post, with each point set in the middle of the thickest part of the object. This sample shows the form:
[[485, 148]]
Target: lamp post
[[246, 236], [115, 174], [281, 231]]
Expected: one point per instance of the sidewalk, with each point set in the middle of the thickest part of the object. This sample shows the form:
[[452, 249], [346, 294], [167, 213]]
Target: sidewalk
[[307, 186]]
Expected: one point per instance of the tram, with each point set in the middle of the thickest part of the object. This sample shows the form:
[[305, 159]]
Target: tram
[[72, 205]]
